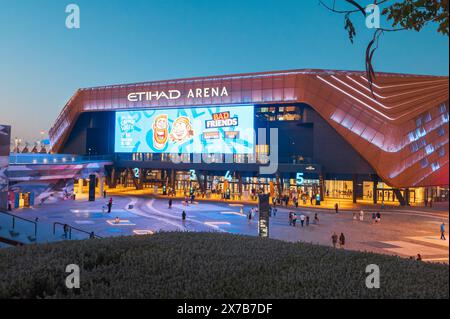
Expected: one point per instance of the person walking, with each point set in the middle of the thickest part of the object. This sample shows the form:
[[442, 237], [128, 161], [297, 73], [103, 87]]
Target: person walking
[[183, 216], [275, 210], [302, 220], [342, 241], [110, 203], [443, 231], [361, 216], [291, 217], [334, 239], [170, 203], [336, 208], [307, 221], [294, 219], [249, 216], [316, 219]]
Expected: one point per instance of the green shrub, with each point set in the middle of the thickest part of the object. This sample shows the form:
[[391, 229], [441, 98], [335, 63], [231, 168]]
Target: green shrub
[[210, 265]]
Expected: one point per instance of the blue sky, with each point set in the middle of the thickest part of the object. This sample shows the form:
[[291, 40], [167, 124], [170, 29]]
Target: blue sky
[[42, 63]]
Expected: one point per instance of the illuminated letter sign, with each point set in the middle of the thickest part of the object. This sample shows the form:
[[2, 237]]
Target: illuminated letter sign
[[228, 176], [197, 93], [300, 179]]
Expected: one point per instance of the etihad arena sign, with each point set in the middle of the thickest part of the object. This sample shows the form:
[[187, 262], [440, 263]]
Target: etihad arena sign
[[198, 93]]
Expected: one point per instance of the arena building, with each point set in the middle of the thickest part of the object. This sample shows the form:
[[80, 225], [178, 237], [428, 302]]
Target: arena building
[[318, 134]]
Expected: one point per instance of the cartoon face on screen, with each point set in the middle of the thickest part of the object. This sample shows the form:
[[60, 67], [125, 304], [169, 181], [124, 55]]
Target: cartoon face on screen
[[182, 130], [160, 131]]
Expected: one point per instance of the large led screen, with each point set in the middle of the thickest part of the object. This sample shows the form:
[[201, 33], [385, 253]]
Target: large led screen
[[217, 130]]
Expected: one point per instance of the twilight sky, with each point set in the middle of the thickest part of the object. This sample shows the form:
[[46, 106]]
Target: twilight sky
[[42, 63]]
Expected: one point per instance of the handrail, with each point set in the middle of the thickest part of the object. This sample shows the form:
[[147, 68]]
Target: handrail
[[21, 218], [70, 230]]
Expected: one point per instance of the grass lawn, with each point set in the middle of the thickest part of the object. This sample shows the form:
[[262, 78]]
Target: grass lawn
[[210, 265]]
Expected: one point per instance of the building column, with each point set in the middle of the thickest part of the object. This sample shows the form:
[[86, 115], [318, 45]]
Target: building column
[[172, 179], [374, 189], [355, 188], [101, 184], [240, 184], [80, 186], [322, 187], [407, 197]]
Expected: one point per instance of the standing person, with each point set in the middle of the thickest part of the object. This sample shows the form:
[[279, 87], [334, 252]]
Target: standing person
[[316, 219], [307, 221], [378, 219], [419, 257], [336, 208], [342, 241], [92, 235], [294, 219], [374, 216], [275, 211], [66, 230], [291, 217], [249, 216], [104, 194], [443, 231], [170, 203], [110, 203], [334, 239], [296, 202], [241, 211], [183, 216], [361, 216], [302, 220]]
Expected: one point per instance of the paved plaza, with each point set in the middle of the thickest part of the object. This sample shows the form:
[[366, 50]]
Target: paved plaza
[[403, 232]]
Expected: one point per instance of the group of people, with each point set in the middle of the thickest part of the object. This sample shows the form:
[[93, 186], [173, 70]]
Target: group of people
[[335, 240], [376, 217], [251, 214], [304, 220], [358, 216]]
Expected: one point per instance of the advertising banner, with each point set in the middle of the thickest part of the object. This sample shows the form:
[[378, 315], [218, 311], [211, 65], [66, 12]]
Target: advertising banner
[[264, 214], [203, 130]]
